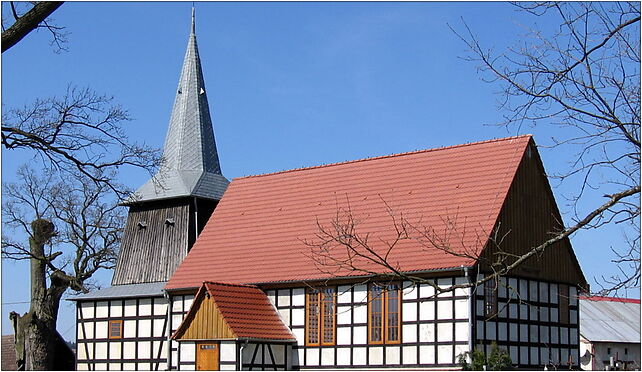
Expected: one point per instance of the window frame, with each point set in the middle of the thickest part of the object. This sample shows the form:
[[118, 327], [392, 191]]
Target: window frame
[[109, 328], [320, 294], [491, 303], [564, 303], [384, 314]]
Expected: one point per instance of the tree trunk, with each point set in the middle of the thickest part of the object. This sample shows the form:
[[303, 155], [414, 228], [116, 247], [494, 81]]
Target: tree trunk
[[35, 331]]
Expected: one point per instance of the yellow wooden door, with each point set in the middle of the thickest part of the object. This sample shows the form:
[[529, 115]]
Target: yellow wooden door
[[207, 356]]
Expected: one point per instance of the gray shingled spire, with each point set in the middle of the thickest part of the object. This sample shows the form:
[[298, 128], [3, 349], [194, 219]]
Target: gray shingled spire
[[191, 166]]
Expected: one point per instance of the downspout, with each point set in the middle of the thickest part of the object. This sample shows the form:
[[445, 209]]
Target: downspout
[[241, 355], [195, 219], [470, 312], [169, 330]]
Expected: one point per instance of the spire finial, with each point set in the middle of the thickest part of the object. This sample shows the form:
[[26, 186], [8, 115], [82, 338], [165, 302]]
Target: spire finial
[[193, 21]]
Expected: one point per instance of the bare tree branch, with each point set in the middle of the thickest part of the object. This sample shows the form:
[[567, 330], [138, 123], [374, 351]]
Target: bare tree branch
[[29, 21]]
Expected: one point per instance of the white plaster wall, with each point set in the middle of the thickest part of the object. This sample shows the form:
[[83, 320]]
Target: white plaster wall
[[144, 349], [360, 314], [327, 357], [427, 310], [312, 357], [145, 328], [360, 335], [410, 291], [285, 315], [461, 309], [426, 291], [426, 354], [102, 308], [461, 331], [130, 308], [129, 329], [100, 366], [343, 336], [160, 306], [460, 349], [409, 333], [444, 332], [445, 354], [461, 291], [298, 297], [87, 309], [344, 294], [101, 329], [129, 350], [359, 356], [299, 333], [409, 311], [409, 354], [129, 366], [343, 357], [283, 297], [162, 345], [344, 315], [187, 351], [227, 351], [426, 332], [115, 350], [189, 299], [360, 293], [82, 367], [145, 306], [101, 350], [157, 326], [375, 356], [116, 308], [393, 355], [298, 317]]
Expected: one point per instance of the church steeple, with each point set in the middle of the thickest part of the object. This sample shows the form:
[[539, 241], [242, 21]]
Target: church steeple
[[169, 211], [191, 166]]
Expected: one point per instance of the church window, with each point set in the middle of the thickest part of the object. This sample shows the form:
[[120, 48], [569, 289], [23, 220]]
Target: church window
[[384, 309], [320, 316]]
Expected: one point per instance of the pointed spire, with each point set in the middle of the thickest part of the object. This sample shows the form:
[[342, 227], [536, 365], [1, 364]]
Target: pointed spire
[[191, 166], [193, 21]]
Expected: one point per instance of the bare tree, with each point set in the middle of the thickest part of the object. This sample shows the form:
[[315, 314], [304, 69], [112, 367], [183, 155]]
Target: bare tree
[[74, 228], [583, 77], [36, 17], [80, 132]]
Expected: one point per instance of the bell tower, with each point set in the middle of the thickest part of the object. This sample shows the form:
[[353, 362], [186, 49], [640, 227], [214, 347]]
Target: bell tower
[[168, 212]]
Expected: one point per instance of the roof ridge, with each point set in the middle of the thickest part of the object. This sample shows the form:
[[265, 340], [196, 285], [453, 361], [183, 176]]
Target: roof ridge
[[230, 284], [610, 299], [384, 156]]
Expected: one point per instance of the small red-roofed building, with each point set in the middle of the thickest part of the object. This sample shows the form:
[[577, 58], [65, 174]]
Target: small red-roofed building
[[610, 333]]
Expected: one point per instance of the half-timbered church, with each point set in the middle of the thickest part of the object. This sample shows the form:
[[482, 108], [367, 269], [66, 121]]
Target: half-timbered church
[[334, 266]]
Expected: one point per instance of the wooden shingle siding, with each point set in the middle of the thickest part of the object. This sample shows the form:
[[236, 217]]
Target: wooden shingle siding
[[208, 323], [148, 238], [528, 218]]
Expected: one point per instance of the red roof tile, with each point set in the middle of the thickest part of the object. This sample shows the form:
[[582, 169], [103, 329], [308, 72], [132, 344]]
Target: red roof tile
[[612, 299], [247, 311], [257, 232]]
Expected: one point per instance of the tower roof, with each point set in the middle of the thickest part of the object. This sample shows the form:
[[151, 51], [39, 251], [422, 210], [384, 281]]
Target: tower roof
[[190, 160]]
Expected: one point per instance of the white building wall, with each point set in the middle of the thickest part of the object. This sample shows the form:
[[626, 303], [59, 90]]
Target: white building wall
[[139, 348], [434, 329]]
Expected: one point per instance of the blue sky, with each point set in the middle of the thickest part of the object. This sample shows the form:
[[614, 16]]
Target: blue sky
[[290, 85]]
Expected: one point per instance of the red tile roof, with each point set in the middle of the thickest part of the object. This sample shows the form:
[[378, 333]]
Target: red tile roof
[[612, 299], [247, 311], [257, 232]]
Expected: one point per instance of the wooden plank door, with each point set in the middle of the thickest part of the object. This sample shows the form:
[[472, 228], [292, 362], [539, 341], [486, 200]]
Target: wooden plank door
[[207, 356]]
